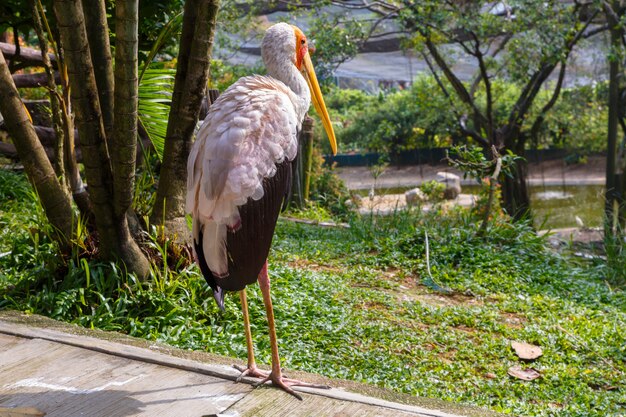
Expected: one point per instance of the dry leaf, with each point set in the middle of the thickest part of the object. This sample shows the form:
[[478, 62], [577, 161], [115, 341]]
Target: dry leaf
[[526, 351], [527, 374]]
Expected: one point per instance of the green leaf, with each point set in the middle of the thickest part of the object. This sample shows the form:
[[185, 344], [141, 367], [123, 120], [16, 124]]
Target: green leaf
[[155, 96]]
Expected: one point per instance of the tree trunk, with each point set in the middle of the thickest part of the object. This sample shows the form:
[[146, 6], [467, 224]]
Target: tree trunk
[[612, 195], [54, 199], [189, 88], [55, 105], [515, 193], [33, 80], [114, 236], [124, 143], [100, 49]]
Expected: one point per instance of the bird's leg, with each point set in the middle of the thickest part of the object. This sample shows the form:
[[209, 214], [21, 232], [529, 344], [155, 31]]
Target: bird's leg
[[276, 374], [251, 370]]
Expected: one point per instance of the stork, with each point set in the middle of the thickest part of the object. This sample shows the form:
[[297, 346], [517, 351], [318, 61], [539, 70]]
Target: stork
[[239, 173]]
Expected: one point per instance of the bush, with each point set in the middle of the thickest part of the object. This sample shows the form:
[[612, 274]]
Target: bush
[[578, 120], [423, 117], [434, 190], [327, 189], [397, 121]]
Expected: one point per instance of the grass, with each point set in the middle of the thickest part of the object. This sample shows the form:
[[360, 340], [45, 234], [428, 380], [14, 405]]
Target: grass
[[358, 304]]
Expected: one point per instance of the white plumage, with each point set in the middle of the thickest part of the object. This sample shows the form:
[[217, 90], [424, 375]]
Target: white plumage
[[250, 128]]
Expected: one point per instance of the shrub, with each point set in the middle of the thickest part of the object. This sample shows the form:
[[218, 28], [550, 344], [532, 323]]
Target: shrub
[[434, 190], [423, 117]]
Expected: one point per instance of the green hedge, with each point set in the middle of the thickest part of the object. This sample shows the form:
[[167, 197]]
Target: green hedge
[[423, 117]]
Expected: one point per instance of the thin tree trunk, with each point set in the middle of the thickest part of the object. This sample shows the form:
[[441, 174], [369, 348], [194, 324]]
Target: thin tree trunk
[[515, 193], [54, 199], [114, 237], [612, 192], [189, 88], [55, 106], [71, 156], [124, 142], [100, 49]]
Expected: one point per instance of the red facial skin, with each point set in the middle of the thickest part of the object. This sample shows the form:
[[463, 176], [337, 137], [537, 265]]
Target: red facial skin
[[302, 47]]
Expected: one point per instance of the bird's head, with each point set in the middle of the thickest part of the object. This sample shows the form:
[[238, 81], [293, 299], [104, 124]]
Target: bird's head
[[287, 44]]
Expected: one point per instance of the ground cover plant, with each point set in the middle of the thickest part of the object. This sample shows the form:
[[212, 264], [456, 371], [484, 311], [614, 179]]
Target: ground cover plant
[[360, 303]]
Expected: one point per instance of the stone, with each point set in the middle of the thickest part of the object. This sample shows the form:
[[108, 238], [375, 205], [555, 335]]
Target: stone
[[452, 182], [414, 197]]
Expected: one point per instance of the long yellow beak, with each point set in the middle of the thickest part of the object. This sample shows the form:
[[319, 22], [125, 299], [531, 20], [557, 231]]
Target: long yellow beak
[[318, 101]]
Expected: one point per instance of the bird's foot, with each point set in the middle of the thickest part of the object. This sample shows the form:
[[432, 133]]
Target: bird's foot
[[286, 383], [250, 371]]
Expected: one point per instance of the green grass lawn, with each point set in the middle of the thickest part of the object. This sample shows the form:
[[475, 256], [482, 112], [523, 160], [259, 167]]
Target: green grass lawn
[[358, 303]]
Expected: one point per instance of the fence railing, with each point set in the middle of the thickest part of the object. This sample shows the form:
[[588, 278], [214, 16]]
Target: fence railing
[[436, 156]]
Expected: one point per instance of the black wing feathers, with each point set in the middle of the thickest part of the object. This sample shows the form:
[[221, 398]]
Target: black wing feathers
[[249, 246]]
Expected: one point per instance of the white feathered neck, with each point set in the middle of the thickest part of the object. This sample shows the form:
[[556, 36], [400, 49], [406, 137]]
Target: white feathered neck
[[278, 51]]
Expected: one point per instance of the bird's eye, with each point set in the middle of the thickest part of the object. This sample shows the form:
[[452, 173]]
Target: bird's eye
[[303, 41]]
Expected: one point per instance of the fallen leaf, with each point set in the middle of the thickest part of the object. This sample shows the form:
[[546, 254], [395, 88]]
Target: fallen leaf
[[526, 351], [527, 374], [490, 375]]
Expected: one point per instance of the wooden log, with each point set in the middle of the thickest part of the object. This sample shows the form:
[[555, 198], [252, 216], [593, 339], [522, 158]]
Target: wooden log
[[8, 150], [48, 139], [46, 135], [29, 56], [33, 80]]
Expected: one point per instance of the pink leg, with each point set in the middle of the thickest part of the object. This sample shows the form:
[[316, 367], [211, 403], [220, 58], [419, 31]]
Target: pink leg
[[251, 370], [276, 375]]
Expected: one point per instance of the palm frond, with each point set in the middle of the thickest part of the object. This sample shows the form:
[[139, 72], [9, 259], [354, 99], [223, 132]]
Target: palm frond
[[155, 97], [166, 33]]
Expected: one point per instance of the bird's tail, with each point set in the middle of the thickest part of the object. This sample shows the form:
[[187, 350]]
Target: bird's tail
[[206, 242], [218, 294]]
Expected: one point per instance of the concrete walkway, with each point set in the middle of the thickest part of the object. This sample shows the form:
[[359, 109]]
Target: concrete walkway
[[54, 369], [548, 173]]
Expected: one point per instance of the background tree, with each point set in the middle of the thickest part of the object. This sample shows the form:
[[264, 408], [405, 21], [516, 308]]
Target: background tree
[[532, 38], [523, 41]]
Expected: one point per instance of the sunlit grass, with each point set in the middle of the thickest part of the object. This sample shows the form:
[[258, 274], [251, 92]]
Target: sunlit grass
[[351, 303]]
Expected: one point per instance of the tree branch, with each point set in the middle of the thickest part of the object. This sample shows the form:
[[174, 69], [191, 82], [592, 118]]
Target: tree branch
[[533, 86], [28, 56], [534, 130], [462, 118], [454, 80]]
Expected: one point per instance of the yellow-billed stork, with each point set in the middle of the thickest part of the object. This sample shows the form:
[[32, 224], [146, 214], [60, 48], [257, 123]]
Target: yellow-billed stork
[[239, 173]]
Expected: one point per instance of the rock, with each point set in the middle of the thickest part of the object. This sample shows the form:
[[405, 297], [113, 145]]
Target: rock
[[414, 196], [452, 182]]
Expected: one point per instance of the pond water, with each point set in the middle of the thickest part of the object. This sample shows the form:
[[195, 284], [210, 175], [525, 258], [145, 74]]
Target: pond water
[[558, 207], [554, 207]]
